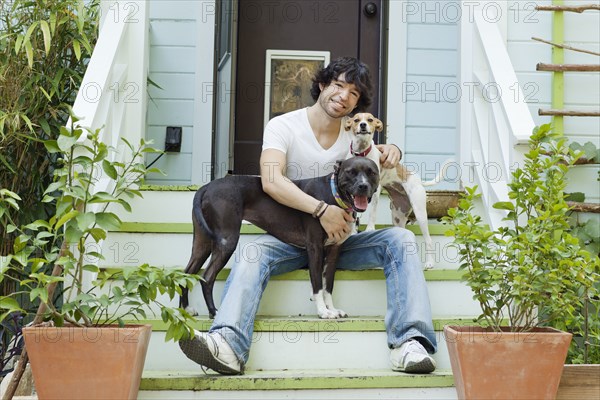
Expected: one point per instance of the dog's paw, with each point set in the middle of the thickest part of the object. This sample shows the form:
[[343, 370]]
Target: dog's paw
[[340, 313], [192, 311], [427, 266], [328, 314], [332, 313]]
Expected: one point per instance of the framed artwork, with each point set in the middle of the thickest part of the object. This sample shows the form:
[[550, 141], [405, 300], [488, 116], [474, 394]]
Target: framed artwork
[[288, 79]]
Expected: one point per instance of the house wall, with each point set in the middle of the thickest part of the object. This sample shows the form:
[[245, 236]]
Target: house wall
[[181, 46], [423, 88], [427, 61]]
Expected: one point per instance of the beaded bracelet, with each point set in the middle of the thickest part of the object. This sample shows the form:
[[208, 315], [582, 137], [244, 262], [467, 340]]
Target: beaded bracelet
[[318, 209], [322, 212]]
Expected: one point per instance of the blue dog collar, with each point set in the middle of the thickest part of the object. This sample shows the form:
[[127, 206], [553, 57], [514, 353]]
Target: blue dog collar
[[337, 196]]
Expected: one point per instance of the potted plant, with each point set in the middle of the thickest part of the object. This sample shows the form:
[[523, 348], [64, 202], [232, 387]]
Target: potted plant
[[579, 377], [78, 329], [524, 274]]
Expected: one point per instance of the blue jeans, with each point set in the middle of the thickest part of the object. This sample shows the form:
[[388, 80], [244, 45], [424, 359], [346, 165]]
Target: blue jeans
[[408, 311]]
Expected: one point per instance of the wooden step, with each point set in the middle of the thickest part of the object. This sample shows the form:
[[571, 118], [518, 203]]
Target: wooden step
[[288, 294], [311, 324], [170, 245], [293, 380], [176, 206], [295, 342], [246, 229], [431, 275]]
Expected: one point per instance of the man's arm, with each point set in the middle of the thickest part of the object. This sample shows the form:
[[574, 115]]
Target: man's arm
[[284, 191]]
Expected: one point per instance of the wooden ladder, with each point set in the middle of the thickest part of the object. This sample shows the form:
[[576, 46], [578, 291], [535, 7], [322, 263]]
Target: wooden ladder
[[558, 68]]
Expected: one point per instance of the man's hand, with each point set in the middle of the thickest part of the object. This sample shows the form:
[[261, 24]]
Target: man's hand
[[390, 155], [335, 222]]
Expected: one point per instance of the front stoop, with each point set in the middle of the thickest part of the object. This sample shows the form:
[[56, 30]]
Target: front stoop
[[294, 384], [294, 354]]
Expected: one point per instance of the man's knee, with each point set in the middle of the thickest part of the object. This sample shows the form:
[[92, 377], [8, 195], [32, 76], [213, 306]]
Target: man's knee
[[252, 261], [404, 242], [402, 235]]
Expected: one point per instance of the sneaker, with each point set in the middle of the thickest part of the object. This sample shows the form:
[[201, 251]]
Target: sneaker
[[412, 357], [211, 351]]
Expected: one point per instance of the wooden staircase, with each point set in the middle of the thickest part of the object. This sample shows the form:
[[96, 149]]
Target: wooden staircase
[[294, 354]]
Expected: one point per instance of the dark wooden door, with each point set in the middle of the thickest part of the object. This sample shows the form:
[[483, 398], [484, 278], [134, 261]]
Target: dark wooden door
[[342, 27]]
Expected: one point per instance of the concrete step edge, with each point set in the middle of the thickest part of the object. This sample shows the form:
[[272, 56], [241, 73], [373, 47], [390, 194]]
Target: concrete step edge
[[304, 324], [340, 275], [247, 229], [293, 380]]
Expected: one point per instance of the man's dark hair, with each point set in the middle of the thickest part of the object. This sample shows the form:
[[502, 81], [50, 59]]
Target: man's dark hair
[[355, 71]]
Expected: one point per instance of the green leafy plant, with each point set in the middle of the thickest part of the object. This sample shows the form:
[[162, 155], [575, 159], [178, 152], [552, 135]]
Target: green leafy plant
[[59, 250], [588, 233], [587, 230], [585, 327], [532, 271], [585, 324], [590, 153], [44, 47]]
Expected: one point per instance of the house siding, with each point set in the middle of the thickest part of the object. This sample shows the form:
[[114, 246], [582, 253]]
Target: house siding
[[423, 88], [173, 46], [431, 92]]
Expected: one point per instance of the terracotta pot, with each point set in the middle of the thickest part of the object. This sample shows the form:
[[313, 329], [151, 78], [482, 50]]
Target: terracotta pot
[[80, 363], [506, 365], [440, 201]]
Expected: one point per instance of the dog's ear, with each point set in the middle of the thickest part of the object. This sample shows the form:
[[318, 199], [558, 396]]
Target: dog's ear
[[337, 166], [378, 125], [348, 124]]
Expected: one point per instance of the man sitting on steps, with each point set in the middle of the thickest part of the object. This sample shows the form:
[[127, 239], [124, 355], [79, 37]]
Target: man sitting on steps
[[312, 139]]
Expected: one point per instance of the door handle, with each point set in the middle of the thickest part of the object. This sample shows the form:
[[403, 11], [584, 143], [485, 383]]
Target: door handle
[[370, 9]]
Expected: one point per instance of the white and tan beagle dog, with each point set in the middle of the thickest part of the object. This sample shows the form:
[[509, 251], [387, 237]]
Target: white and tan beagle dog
[[406, 190]]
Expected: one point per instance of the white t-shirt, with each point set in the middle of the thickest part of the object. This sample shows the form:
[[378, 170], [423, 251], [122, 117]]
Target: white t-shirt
[[291, 133]]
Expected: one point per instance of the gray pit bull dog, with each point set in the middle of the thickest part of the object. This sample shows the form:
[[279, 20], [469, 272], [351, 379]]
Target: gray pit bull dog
[[220, 206]]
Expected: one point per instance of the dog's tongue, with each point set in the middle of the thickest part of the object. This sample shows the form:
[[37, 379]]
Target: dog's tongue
[[361, 202]]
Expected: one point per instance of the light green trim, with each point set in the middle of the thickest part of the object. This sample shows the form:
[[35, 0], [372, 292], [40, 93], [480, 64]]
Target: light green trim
[[307, 324], [558, 77], [340, 275], [193, 188], [443, 275], [293, 380], [364, 275], [168, 188], [247, 229]]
